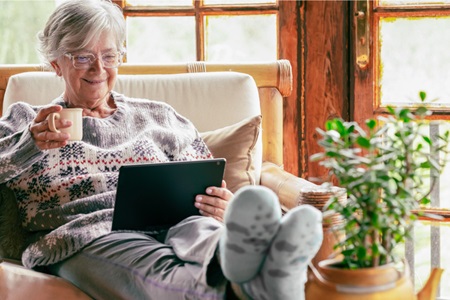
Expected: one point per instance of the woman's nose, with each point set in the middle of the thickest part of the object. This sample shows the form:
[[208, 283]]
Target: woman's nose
[[97, 64]]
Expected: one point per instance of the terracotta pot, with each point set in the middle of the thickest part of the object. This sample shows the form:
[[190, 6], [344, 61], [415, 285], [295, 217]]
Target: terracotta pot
[[331, 237], [381, 283]]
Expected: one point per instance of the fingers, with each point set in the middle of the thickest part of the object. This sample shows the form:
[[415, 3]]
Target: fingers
[[41, 134], [50, 140], [44, 112], [214, 203]]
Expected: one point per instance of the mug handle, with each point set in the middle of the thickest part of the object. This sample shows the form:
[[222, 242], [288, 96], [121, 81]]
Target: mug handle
[[51, 121]]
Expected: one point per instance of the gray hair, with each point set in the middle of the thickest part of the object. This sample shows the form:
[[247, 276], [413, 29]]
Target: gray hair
[[76, 23]]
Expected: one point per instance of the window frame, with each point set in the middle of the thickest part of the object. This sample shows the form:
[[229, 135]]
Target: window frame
[[199, 11], [365, 78]]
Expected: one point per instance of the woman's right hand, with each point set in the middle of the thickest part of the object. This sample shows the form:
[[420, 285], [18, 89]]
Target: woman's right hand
[[41, 134]]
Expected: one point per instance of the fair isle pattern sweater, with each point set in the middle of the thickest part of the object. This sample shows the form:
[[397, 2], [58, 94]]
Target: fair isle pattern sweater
[[68, 193]]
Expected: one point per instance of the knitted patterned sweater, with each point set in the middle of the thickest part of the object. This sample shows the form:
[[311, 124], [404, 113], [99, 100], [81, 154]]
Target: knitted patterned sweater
[[68, 194]]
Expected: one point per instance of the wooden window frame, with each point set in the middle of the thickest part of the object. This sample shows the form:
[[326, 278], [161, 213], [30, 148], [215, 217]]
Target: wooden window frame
[[365, 98], [365, 78]]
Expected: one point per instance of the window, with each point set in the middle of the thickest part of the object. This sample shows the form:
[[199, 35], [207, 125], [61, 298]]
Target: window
[[401, 48], [208, 30], [161, 31]]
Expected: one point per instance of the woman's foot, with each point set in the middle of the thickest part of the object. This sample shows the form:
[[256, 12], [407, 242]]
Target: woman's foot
[[252, 219], [283, 274]]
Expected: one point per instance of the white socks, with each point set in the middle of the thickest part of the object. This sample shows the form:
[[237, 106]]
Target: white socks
[[251, 221], [283, 275], [268, 256]]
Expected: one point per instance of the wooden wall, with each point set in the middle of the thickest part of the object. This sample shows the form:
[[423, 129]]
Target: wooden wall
[[323, 79]]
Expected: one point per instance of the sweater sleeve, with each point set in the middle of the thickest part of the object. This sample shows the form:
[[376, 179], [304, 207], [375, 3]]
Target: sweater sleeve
[[192, 146], [17, 148]]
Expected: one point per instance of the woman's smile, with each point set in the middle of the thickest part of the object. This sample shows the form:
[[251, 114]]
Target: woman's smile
[[94, 81]]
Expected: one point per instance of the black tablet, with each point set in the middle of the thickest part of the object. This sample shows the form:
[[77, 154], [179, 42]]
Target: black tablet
[[158, 195]]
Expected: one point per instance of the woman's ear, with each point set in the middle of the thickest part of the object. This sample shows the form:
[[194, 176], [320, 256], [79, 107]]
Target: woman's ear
[[56, 67]]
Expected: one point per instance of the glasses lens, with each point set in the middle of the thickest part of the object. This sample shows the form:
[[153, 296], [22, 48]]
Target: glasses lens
[[111, 60], [84, 61]]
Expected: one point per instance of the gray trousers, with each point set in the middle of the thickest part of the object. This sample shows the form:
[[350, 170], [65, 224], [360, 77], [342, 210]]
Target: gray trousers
[[132, 265]]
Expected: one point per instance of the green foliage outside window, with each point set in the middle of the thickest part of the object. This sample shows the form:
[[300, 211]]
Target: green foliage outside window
[[19, 23]]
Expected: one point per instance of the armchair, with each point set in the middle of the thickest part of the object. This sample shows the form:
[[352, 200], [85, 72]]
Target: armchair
[[224, 101]]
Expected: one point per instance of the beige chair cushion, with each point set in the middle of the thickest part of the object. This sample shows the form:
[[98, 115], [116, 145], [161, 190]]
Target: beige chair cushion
[[210, 100], [237, 143]]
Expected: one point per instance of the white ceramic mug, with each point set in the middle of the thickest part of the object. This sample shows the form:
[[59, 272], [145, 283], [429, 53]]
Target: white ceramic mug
[[73, 114]]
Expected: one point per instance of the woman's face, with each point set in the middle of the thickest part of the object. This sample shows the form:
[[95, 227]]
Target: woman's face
[[89, 87]]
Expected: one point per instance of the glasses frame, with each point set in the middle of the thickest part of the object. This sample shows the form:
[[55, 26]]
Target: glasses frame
[[72, 57]]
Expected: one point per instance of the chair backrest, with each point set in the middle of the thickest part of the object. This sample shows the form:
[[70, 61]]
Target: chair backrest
[[209, 100], [221, 99]]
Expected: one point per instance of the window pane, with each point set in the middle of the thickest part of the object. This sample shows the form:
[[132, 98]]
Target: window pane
[[442, 199], [160, 39], [228, 2], [160, 2], [239, 38], [438, 192], [429, 250], [413, 62], [20, 22]]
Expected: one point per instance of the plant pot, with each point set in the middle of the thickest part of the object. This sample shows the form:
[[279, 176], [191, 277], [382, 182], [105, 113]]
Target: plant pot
[[328, 281]]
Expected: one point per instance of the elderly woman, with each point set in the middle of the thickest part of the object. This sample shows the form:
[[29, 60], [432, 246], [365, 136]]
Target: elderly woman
[[66, 199]]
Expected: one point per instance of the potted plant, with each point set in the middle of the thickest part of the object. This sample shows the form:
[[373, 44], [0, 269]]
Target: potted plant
[[382, 167]]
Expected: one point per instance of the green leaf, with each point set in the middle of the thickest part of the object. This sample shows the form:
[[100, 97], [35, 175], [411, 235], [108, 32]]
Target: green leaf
[[427, 140], [340, 127], [425, 165], [329, 125], [425, 201], [422, 111], [371, 123], [375, 249], [391, 110], [350, 129], [361, 253], [404, 114], [363, 142], [422, 95]]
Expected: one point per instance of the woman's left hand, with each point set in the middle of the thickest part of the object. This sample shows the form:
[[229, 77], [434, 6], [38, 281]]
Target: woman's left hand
[[214, 203]]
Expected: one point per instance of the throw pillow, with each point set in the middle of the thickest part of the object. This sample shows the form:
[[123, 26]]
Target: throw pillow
[[237, 144]]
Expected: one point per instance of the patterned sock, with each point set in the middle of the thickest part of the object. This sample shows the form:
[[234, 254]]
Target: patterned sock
[[251, 221], [283, 274]]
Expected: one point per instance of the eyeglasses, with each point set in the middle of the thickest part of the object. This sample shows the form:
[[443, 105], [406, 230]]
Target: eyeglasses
[[85, 60]]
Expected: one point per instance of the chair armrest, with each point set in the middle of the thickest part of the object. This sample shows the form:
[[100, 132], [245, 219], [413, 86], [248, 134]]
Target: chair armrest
[[17, 282], [10, 261], [286, 185]]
